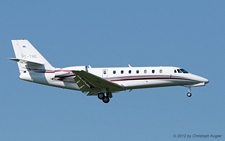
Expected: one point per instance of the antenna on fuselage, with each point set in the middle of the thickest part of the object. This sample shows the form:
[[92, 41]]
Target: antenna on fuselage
[[129, 65]]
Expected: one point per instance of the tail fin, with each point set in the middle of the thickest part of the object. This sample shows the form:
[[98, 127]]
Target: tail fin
[[28, 57]]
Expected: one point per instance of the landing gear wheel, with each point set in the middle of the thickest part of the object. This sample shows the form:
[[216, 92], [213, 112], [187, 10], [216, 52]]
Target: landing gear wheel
[[105, 99], [101, 95], [189, 94]]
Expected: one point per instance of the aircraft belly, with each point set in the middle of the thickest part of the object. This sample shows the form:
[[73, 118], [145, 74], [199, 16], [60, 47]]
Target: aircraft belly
[[49, 79], [25, 76], [153, 83], [64, 84], [72, 86]]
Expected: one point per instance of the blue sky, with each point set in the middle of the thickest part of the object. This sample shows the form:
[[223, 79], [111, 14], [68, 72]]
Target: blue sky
[[188, 34]]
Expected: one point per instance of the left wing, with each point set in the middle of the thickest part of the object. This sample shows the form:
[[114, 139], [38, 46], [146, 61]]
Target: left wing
[[89, 82]]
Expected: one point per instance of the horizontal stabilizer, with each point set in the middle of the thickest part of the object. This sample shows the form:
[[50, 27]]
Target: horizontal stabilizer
[[26, 61]]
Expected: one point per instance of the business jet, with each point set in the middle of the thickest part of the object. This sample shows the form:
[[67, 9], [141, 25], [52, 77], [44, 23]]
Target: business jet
[[100, 82]]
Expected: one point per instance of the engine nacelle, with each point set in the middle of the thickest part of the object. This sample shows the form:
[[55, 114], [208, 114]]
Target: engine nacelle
[[68, 71]]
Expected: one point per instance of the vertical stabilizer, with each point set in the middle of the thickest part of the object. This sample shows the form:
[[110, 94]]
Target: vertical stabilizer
[[28, 57]]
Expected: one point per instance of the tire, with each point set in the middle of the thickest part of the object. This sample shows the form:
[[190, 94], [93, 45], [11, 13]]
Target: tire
[[105, 99], [189, 94], [101, 96]]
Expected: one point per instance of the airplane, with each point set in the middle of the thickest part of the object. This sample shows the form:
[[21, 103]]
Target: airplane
[[100, 82]]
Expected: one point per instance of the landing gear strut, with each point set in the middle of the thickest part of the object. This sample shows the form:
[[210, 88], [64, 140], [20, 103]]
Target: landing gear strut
[[189, 91]]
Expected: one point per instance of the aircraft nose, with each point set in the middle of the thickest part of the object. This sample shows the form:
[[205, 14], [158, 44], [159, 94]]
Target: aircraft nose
[[201, 79], [205, 80]]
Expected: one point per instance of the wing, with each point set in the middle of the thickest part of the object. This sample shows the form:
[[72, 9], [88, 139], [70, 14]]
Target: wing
[[88, 82]]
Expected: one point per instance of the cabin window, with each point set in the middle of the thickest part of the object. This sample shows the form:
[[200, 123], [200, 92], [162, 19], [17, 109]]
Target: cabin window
[[129, 71], [104, 71], [153, 71], [145, 71], [137, 71], [114, 72], [160, 70], [121, 71]]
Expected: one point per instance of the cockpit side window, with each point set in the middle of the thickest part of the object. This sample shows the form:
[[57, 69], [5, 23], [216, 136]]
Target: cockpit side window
[[184, 71], [175, 71], [179, 71]]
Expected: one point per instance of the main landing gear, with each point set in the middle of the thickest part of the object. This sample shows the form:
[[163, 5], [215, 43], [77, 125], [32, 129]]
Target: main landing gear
[[189, 91], [103, 97]]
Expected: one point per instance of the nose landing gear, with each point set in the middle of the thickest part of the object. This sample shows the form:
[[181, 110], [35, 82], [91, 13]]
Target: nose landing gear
[[189, 94], [189, 91]]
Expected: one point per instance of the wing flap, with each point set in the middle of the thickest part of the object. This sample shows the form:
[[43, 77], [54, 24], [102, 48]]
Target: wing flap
[[84, 87]]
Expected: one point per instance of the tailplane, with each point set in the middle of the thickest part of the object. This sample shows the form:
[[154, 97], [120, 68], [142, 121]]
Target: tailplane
[[28, 58]]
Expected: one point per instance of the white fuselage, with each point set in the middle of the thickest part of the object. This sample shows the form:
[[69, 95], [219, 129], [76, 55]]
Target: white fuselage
[[101, 82], [128, 77]]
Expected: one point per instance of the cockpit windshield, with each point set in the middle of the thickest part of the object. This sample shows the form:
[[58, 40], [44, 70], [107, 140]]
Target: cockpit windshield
[[180, 71], [184, 71]]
